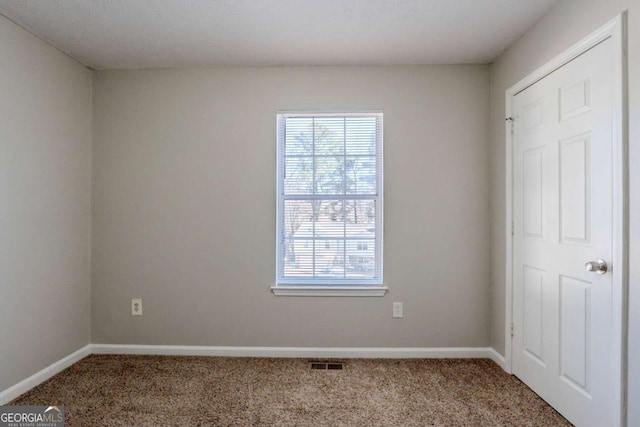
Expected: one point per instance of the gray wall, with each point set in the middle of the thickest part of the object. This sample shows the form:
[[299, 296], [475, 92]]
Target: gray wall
[[566, 24], [45, 204], [184, 207]]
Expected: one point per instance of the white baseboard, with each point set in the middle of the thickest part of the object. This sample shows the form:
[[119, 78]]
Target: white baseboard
[[498, 358], [306, 352], [11, 393]]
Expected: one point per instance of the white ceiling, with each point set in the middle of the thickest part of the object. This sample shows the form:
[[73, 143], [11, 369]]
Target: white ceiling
[[115, 34]]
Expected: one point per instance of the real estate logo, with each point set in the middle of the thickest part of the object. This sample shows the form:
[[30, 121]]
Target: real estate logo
[[31, 416]]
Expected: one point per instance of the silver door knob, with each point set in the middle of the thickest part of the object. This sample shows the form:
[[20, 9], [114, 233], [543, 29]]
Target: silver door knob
[[598, 266]]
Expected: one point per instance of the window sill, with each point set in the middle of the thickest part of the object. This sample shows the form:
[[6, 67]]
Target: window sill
[[329, 291]]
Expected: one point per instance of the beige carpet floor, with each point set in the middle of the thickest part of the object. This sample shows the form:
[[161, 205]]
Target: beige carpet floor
[[215, 391]]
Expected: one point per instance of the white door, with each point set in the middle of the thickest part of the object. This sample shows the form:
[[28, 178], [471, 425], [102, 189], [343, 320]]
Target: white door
[[563, 326]]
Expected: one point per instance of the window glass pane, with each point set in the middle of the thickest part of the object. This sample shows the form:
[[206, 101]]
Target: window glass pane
[[329, 259], [299, 258], [298, 219], [298, 175], [360, 260], [361, 135], [329, 136], [329, 219], [329, 175], [361, 175], [361, 218], [298, 136]]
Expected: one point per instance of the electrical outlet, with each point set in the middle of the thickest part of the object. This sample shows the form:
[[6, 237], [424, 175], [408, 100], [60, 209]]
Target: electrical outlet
[[397, 310], [136, 306]]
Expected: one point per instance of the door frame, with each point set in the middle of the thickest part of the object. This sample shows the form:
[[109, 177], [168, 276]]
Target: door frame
[[616, 31]]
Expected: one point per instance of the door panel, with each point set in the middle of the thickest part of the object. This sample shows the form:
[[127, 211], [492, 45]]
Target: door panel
[[533, 283], [575, 212], [532, 193], [575, 98], [575, 332]]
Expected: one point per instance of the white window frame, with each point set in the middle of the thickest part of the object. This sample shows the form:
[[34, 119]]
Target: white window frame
[[329, 286]]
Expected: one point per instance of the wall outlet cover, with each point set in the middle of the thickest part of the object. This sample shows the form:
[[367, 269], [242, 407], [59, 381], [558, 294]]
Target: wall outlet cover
[[136, 306], [397, 310]]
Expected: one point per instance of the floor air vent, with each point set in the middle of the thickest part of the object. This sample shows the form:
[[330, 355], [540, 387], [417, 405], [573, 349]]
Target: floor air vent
[[327, 366]]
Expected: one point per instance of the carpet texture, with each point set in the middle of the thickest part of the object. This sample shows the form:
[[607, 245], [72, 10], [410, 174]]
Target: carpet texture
[[217, 391]]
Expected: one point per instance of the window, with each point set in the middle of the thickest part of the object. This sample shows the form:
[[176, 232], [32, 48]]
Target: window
[[329, 215]]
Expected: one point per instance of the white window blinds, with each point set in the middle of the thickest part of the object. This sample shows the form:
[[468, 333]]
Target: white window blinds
[[329, 215]]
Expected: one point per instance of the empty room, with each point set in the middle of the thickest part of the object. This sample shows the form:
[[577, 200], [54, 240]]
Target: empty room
[[320, 213]]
